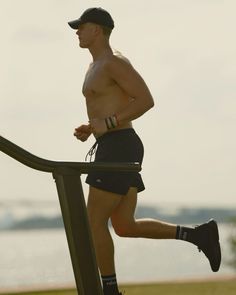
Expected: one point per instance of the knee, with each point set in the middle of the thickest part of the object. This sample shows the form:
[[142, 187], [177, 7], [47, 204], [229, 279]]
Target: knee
[[125, 230], [122, 232]]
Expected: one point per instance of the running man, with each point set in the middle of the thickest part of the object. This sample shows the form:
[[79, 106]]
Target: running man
[[115, 96]]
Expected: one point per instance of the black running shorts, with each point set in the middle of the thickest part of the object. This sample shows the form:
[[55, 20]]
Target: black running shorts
[[118, 146]]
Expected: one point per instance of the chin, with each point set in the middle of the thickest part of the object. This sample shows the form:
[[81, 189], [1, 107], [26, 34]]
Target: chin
[[83, 45]]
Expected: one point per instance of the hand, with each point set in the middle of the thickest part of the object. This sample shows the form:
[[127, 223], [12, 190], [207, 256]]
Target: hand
[[83, 132], [98, 126]]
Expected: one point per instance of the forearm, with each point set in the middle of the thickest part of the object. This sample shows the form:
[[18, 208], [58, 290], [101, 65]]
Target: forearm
[[134, 110], [131, 112]]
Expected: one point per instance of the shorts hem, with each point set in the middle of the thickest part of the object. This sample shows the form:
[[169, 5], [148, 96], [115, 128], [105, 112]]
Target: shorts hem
[[113, 190]]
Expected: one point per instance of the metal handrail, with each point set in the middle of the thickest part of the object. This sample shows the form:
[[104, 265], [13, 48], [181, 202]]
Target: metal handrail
[[41, 164]]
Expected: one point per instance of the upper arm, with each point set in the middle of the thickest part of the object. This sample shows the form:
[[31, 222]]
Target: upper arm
[[128, 79]]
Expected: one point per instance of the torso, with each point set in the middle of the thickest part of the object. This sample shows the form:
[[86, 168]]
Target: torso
[[103, 96]]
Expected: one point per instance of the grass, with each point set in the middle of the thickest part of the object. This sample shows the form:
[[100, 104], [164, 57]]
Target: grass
[[203, 288], [226, 287]]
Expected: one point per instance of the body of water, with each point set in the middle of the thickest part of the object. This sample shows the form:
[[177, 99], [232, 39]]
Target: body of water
[[41, 258]]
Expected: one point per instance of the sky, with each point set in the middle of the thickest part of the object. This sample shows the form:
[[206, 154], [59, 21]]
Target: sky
[[185, 51]]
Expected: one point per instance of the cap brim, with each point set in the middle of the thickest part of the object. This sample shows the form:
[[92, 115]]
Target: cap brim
[[74, 24]]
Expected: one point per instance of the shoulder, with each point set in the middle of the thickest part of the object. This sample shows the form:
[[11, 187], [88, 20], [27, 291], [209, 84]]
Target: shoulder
[[118, 63], [118, 55]]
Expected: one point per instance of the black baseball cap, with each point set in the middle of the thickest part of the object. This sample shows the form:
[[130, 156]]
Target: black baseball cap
[[95, 15]]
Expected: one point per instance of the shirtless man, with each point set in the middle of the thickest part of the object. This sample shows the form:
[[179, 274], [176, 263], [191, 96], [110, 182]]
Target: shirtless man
[[115, 96]]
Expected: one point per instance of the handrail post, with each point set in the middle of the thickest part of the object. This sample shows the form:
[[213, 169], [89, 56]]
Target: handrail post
[[78, 232]]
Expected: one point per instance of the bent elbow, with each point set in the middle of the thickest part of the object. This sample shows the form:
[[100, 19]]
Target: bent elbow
[[147, 107], [151, 104]]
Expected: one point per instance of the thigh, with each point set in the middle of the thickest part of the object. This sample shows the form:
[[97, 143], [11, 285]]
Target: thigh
[[101, 204], [123, 214]]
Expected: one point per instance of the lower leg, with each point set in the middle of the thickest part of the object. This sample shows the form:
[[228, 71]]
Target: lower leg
[[155, 229], [149, 228], [104, 249]]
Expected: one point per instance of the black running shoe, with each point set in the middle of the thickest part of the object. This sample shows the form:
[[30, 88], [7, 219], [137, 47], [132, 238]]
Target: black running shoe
[[208, 243]]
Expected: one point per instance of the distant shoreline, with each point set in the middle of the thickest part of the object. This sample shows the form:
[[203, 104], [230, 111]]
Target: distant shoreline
[[183, 215]]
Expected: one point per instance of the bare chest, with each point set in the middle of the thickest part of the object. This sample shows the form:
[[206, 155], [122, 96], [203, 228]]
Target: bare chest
[[96, 81]]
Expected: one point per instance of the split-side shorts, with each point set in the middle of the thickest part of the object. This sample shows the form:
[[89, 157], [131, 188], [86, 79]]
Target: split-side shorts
[[118, 146]]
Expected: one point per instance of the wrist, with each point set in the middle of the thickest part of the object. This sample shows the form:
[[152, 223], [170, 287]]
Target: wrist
[[111, 122]]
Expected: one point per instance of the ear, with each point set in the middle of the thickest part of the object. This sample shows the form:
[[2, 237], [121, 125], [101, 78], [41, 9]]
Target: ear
[[97, 29]]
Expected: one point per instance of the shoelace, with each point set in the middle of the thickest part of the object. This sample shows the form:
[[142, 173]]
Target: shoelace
[[91, 152]]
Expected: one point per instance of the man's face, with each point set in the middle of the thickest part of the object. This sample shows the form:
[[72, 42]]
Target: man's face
[[86, 33]]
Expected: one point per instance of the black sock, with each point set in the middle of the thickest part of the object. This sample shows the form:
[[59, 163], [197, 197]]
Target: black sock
[[186, 234], [110, 285]]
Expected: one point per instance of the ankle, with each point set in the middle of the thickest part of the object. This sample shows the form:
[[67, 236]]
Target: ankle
[[110, 286], [186, 234]]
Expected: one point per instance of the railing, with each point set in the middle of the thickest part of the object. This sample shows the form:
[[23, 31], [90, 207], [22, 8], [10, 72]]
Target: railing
[[73, 208]]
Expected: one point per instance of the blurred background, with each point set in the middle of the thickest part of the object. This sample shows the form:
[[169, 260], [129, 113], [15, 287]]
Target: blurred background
[[185, 51]]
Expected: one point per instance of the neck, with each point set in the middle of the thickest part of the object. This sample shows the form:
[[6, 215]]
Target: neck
[[98, 51]]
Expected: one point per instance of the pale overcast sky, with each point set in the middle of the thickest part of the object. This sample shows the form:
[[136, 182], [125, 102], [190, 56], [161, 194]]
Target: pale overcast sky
[[185, 50]]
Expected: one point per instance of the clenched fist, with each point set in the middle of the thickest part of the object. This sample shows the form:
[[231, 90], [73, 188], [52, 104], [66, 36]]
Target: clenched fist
[[83, 132]]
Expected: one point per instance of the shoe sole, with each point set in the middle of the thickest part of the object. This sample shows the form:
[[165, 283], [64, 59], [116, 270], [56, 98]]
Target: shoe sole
[[214, 234]]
